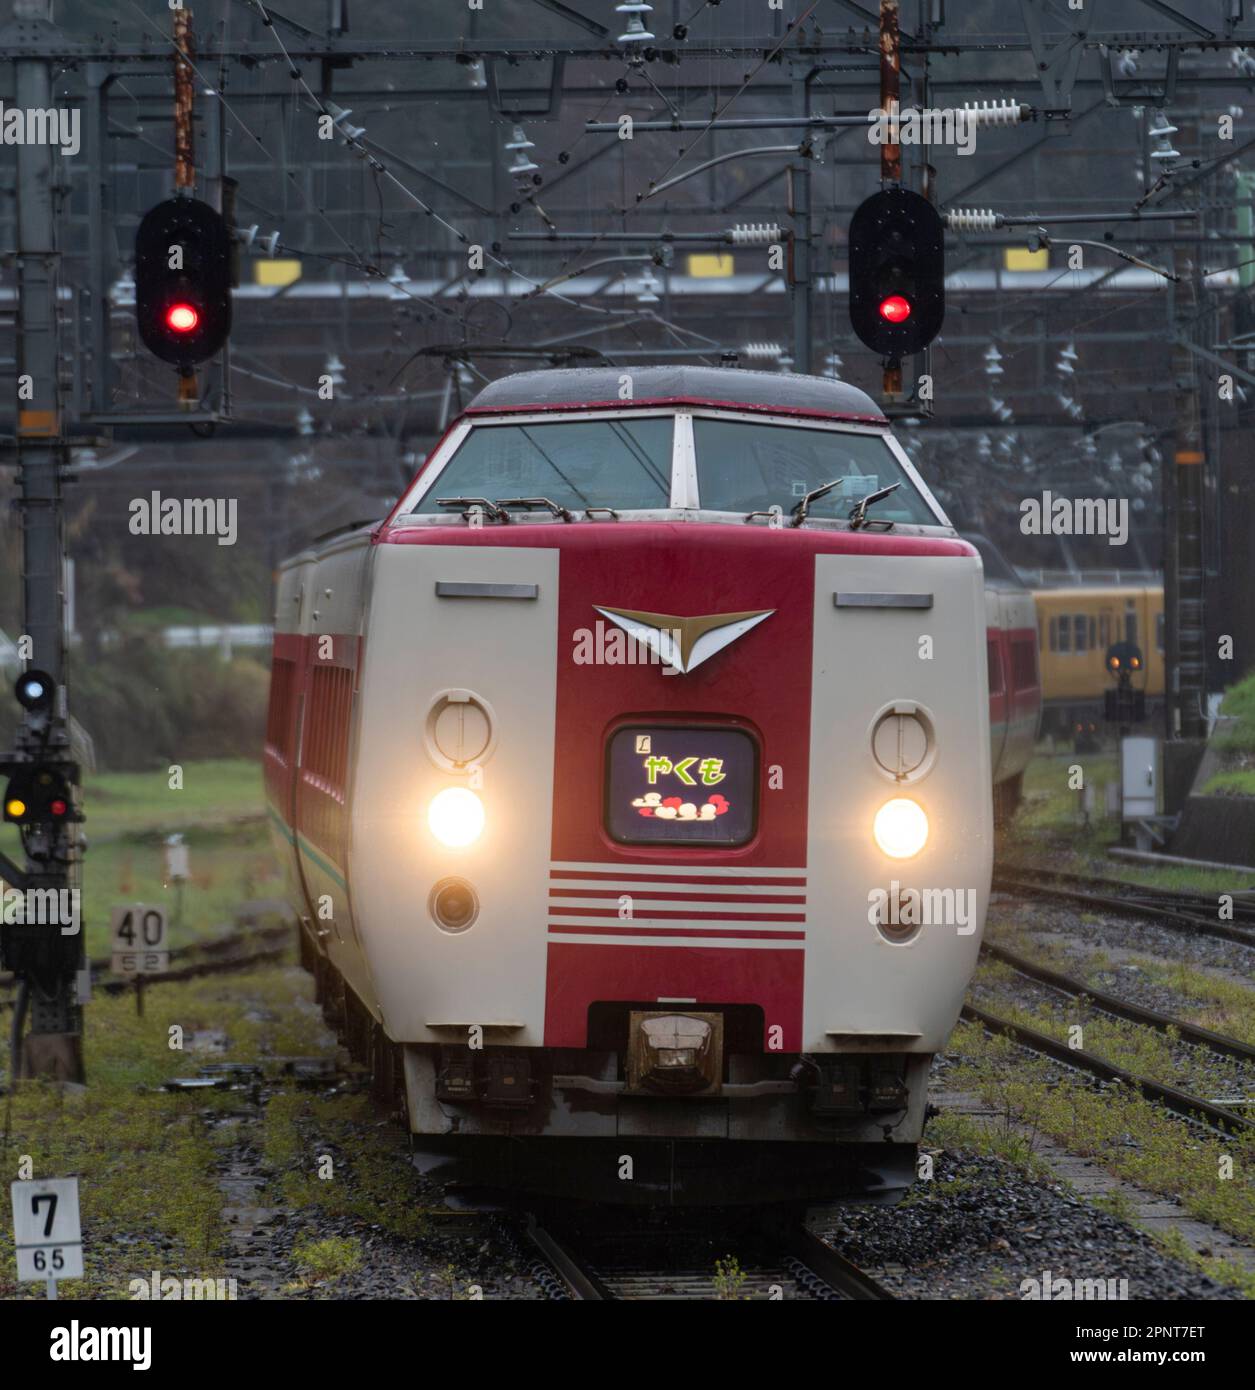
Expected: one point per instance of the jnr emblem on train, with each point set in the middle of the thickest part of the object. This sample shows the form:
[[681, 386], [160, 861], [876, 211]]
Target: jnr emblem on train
[[684, 643]]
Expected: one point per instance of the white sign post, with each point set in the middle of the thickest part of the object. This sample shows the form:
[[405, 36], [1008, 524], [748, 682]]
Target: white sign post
[[46, 1231], [139, 944], [139, 940]]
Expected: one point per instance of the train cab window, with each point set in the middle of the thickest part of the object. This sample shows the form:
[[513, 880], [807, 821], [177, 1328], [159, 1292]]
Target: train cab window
[[622, 463], [749, 466]]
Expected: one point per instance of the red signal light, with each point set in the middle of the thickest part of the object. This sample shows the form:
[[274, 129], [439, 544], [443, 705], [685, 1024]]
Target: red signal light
[[182, 318], [895, 309], [58, 807]]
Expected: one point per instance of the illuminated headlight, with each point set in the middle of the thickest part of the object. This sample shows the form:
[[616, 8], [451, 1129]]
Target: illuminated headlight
[[456, 817], [901, 828]]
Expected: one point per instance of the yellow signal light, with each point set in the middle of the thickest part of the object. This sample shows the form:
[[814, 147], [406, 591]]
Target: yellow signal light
[[15, 807]]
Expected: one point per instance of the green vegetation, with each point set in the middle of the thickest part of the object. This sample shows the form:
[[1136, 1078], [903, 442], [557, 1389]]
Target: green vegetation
[[1128, 1136], [329, 1258], [729, 1279], [134, 803], [1207, 1000], [966, 1134], [220, 813], [146, 706], [1239, 703], [1049, 830], [368, 1175], [1141, 1050], [145, 1157]]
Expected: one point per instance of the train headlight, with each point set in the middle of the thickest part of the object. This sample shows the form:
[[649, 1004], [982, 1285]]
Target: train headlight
[[456, 817], [901, 828]]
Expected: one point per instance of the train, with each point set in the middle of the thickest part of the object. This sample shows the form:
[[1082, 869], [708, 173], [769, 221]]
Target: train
[[1077, 623], [633, 780]]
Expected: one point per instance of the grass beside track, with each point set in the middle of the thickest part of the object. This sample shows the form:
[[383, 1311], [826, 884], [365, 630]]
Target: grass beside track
[[1129, 1137], [1206, 1000]]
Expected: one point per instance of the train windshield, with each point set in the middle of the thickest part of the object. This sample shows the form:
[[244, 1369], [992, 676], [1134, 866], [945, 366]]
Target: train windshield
[[624, 464], [747, 466]]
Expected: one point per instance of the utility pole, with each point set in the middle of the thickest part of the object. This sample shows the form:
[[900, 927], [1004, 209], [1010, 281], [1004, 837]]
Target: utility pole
[[45, 959], [890, 154], [1185, 633], [800, 210]]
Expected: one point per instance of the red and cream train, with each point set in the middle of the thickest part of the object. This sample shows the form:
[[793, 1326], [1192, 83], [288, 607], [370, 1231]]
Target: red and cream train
[[632, 782]]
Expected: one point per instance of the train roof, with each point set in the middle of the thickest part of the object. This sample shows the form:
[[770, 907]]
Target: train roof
[[780, 392], [1065, 592]]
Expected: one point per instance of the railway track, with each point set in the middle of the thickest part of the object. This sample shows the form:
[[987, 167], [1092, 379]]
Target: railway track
[[631, 1266], [1120, 1008], [1192, 911], [1182, 1103]]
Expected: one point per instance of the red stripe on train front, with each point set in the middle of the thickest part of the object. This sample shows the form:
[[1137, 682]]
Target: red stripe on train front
[[578, 974]]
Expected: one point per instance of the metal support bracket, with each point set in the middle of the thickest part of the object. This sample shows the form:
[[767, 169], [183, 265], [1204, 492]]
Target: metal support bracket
[[1057, 63]]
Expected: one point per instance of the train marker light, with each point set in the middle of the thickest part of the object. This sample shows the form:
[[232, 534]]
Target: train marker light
[[901, 828], [895, 309], [35, 690], [456, 817]]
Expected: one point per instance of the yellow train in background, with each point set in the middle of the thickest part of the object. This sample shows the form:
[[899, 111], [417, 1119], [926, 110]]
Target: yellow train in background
[[1075, 626]]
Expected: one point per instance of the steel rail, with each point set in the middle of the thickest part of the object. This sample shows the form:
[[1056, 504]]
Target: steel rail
[[1111, 1004], [1131, 907], [1180, 1102]]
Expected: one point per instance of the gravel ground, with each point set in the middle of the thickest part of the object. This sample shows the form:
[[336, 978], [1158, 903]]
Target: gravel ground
[[980, 1228], [1146, 937], [455, 1252]]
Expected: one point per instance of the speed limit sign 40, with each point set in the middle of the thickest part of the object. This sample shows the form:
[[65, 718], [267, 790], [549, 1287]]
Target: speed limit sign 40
[[46, 1230], [139, 940]]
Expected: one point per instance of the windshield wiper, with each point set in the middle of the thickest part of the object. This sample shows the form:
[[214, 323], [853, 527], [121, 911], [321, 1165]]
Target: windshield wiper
[[527, 503], [858, 514], [491, 510], [801, 508]]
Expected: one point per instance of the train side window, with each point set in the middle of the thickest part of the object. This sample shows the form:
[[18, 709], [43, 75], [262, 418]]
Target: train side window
[[1080, 630], [1104, 631], [1130, 623], [1159, 631], [1023, 664], [996, 682], [1065, 633], [279, 715]]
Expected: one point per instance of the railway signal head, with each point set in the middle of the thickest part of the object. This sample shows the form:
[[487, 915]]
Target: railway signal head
[[38, 795], [183, 281], [897, 273]]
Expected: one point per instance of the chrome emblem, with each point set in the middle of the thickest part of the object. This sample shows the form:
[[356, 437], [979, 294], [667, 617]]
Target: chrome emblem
[[684, 643]]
